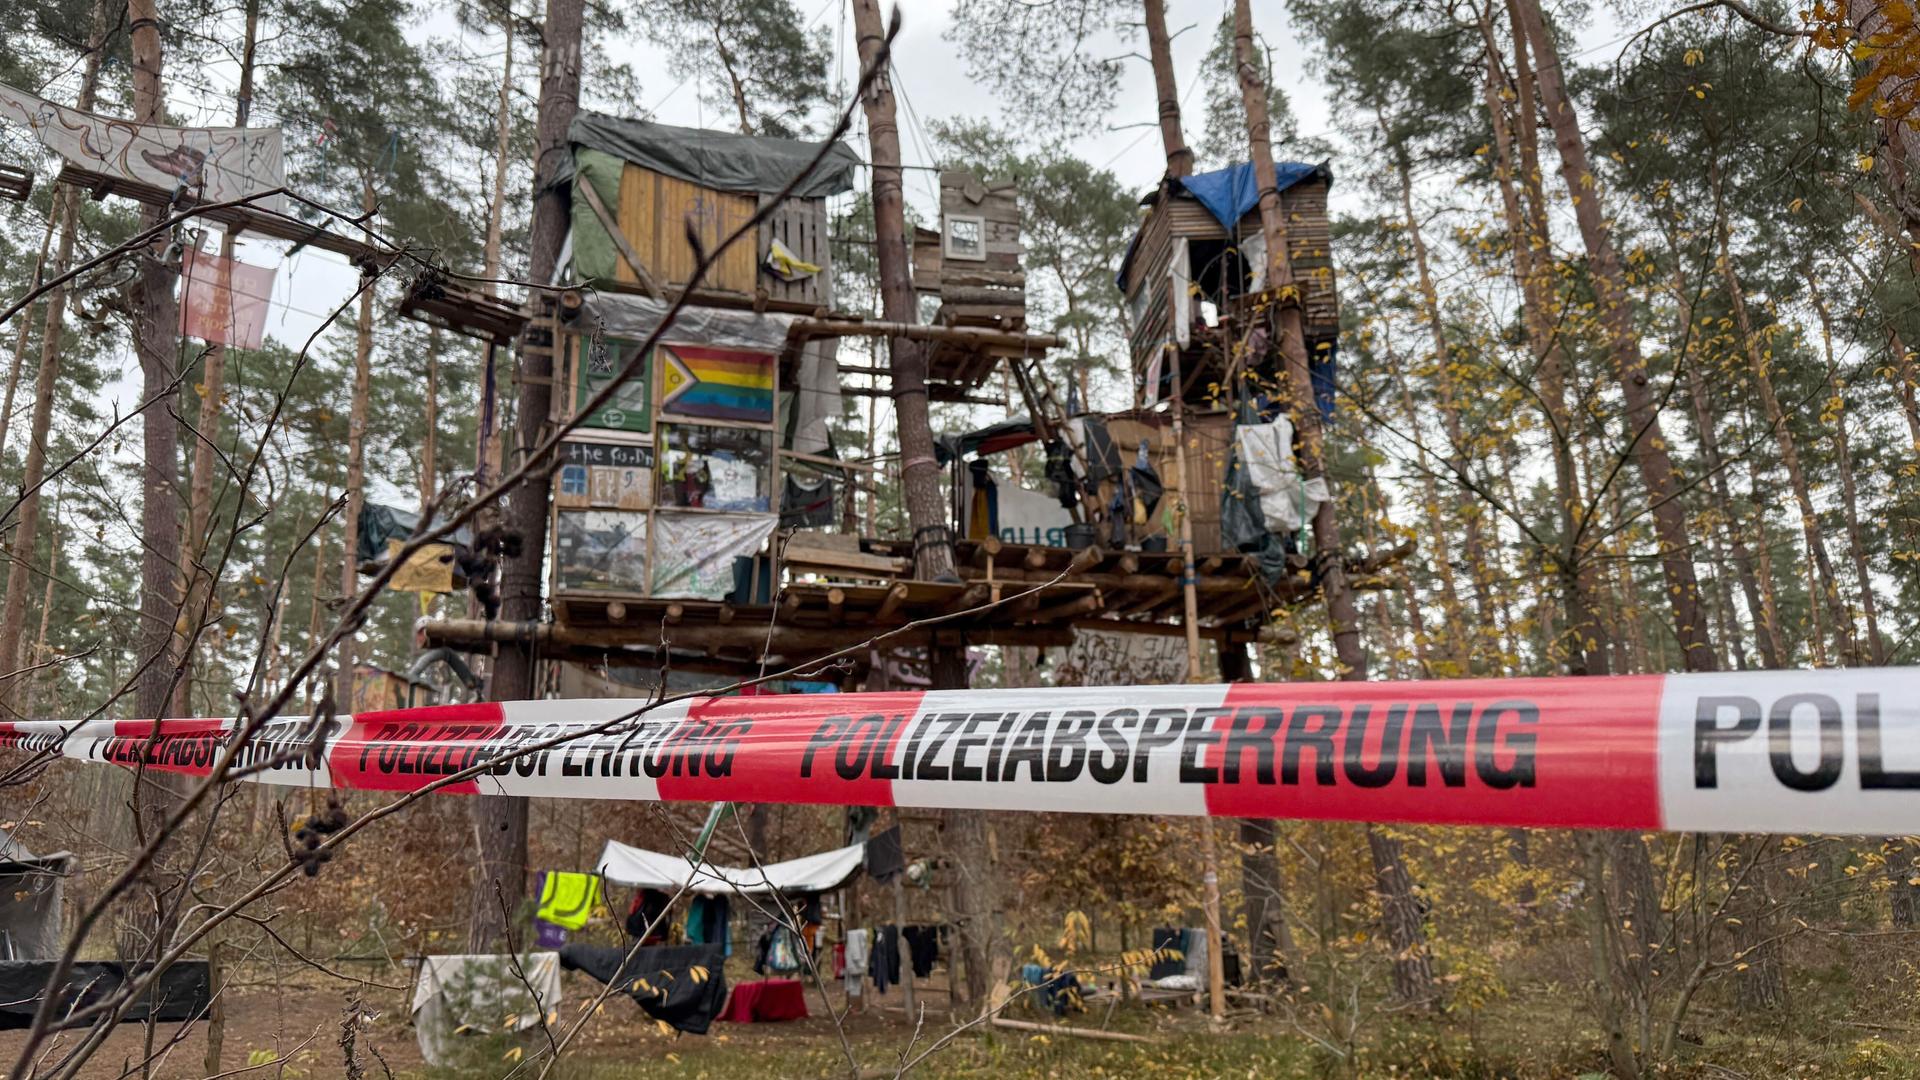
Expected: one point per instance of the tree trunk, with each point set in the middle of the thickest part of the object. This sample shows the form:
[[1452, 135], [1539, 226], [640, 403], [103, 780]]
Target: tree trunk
[[1449, 405], [1843, 457], [156, 324], [1269, 939], [65, 209], [919, 471], [38, 653], [1414, 977], [500, 822], [1584, 636], [1454, 640], [1765, 629], [1758, 363], [976, 892], [197, 583], [356, 468], [25, 334], [1401, 911], [430, 439], [1643, 431], [156, 340], [1166, 90]]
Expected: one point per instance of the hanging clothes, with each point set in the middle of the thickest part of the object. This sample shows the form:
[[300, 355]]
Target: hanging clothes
[[649, 909], [567, 898], [1146, 487], [856, 953], [885, 860], [662, 980], [1060, 474], [1098, 460], [923, 948], [805, 505], [884, 963], [983, 509], [1170, 952], [707, 919]]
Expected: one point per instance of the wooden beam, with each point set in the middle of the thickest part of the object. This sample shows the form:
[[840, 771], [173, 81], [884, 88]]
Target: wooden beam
[[890, 606], [620, 241]]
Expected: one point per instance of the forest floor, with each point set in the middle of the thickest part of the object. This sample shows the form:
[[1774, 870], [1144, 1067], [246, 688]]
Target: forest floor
[[291, 1030]]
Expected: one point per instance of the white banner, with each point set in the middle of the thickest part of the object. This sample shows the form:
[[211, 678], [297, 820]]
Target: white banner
[[212, 164]]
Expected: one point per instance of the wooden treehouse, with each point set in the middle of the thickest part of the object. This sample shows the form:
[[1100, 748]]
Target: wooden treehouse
[[701, 515], [1195, 271]]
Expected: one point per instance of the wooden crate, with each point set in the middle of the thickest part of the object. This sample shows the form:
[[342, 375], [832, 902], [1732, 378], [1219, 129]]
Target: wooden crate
[[800, 224]]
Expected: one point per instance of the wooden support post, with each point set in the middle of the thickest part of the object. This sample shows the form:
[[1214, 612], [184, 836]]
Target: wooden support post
[[900, 927], [837, 605], [890, 606], [1210, 880]]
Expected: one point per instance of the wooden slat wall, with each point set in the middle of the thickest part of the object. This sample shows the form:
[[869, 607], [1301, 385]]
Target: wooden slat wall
[[800, 224], [653, 213], [1309, 244]]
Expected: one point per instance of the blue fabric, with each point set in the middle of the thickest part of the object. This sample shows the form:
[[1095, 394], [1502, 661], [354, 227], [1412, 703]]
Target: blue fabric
[[1230, 192], [1227, 194]]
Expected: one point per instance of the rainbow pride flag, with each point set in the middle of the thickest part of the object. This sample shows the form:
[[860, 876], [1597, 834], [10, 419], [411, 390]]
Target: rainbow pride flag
[[707, 383]]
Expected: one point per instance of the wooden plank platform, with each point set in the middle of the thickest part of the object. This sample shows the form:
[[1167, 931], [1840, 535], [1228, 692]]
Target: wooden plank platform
[[235, 218]]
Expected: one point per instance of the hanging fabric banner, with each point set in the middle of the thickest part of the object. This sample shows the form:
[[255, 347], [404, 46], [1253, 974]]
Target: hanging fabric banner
[[224, 301], [210, 164], [1834, 751]]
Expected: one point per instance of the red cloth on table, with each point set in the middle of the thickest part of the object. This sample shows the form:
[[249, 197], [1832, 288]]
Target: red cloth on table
[[766, 1002]]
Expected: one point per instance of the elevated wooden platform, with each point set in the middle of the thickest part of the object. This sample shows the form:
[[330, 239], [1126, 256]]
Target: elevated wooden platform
[[236, 218], [1009, 596]]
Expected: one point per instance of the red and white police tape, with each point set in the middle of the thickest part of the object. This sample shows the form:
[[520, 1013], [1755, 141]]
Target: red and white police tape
[[1834, 751]]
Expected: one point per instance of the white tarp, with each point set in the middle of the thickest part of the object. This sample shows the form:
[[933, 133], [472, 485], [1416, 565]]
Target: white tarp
[[693, 552], [1267, 452], [214, 164], [479, 994], [644, 869]]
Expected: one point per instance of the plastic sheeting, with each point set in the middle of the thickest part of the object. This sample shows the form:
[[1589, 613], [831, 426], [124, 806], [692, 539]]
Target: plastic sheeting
[[1230, 192], [643, 869], [721, 160], [632, 316], [480, 994], [1286, 503], [693, 552], [182, 992]]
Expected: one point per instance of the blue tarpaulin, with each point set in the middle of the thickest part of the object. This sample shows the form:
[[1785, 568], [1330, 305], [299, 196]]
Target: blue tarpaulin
[[1227, 194], [1230, 192]]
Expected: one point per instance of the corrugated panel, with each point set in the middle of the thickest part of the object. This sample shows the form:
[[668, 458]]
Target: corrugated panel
[[654, 210]]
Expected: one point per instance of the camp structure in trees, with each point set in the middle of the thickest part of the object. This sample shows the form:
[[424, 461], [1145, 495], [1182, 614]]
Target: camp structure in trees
[[1196, 267], [700, 506]]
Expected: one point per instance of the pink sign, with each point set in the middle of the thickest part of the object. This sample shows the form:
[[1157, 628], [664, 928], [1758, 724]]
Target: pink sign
[[224, 301]]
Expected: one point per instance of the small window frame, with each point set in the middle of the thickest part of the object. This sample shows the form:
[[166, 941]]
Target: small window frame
[[946, 237]]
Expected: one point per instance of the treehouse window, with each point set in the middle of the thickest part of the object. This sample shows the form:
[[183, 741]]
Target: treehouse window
[[1219, 269], [966, 237], [601, 549], [716, 468]]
